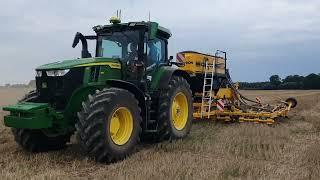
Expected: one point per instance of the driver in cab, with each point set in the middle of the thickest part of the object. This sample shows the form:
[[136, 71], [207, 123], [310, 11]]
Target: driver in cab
[[153, 55], [133, 63]]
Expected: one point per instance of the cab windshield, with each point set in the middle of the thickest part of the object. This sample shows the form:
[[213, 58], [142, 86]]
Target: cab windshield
[[122, 45]]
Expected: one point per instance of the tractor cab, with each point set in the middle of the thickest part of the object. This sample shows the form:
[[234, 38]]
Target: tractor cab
[[139, 46]]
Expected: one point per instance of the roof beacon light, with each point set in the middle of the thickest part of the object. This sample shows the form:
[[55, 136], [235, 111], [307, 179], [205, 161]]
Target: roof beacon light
[[116, 19]]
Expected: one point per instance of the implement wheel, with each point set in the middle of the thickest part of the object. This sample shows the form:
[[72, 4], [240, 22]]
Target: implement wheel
[[175, 110], [292, 101], [35, 140], [109, 125]]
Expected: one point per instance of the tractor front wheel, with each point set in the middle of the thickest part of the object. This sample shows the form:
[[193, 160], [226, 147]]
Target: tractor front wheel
[[109, 125], [36, 140]]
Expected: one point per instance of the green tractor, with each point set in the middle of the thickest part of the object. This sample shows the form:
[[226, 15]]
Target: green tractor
[[129, 91]]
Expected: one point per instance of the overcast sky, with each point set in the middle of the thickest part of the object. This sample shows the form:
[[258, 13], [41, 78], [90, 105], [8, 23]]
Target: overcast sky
[[262, 37]]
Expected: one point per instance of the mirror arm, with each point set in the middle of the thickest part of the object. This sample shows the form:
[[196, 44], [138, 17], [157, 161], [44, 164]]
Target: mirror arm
[[84, 52], [179, 64]]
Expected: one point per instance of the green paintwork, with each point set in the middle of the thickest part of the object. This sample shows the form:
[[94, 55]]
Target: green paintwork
[[67, 64], [153, 29], [34, 116], [43, 116], [108, 73], [87, 75], [30, 115], [157, 75], [25, 107], [74, 104], [105, 73]]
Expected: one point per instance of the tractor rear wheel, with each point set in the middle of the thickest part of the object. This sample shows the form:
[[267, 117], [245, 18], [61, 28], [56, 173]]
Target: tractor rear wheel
[[109, 125], [175, 110], [35, 140]]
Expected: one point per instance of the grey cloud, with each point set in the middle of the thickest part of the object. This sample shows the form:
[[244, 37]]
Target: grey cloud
[[262, 37]]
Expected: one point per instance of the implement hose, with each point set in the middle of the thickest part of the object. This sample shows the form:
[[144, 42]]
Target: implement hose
[[242, 99]]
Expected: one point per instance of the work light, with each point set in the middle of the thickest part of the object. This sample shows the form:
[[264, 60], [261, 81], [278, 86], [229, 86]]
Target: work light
[[57, 72]]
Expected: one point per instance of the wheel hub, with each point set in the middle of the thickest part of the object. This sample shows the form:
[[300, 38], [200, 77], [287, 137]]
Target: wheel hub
[[179, 111], [121, 126]]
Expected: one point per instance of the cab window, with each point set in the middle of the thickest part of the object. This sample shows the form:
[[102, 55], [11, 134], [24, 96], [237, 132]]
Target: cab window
[[155, 51], [110, 49], [120, 45]]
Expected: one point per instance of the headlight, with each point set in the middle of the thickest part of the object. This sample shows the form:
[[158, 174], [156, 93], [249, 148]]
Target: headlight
[[38, 73], [57, 72]]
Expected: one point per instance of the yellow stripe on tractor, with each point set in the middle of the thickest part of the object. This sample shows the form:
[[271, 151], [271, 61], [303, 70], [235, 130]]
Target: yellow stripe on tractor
[[112, 65]]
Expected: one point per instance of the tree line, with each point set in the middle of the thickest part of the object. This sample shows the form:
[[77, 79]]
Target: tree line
[[311, 81]]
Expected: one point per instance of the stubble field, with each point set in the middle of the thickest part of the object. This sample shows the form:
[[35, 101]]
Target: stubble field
[[288, 150]]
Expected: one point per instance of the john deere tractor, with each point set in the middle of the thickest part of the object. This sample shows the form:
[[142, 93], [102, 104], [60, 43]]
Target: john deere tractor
[[130, 90]]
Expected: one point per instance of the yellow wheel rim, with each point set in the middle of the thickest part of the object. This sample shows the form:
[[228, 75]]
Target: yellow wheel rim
[[179, 111], [121, 126]]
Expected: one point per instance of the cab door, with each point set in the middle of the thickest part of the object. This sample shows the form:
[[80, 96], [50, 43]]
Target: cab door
[[155, 54]]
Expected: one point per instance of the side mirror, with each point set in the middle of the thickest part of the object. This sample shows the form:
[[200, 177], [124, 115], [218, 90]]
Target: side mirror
[[76, 40], [179, 64], [84, 53]]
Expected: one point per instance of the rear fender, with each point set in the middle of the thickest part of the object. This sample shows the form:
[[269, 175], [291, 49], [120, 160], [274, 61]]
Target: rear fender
[[161, 78], [128, 86]]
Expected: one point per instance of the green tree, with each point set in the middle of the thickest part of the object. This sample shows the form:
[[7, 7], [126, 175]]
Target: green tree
[[275, 80], [312, 81], [293, 78]]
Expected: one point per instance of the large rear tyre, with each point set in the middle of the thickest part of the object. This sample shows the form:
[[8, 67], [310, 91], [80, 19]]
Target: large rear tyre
[[175, 110], [109, 125], [35, 140]]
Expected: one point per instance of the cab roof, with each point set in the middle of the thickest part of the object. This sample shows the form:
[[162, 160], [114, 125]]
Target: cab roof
[[161, 30]]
